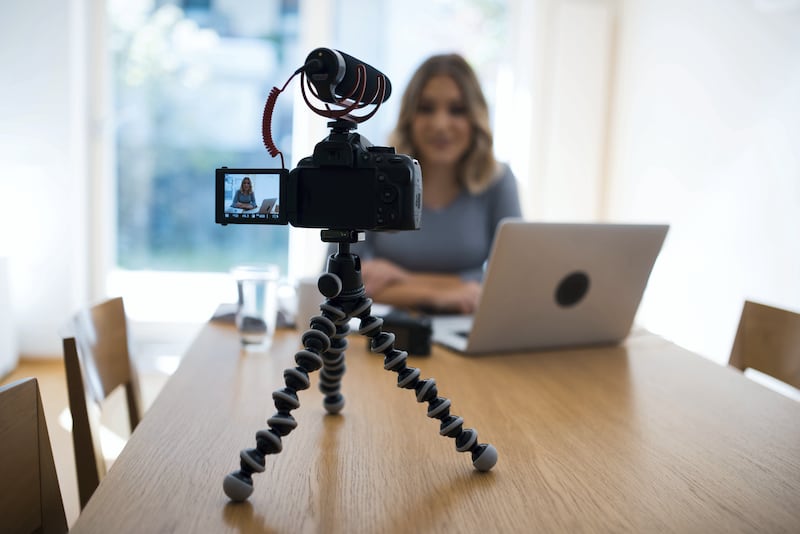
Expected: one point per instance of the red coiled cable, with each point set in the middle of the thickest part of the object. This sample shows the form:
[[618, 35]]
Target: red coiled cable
[[266, 120], [347, 104]]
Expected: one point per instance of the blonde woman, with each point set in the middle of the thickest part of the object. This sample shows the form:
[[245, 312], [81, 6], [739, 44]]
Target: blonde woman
[[444, 123], [244, 197]]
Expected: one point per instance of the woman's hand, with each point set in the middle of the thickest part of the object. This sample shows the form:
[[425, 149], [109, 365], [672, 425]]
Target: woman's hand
[[458, 298], [378, 274], [438, 292]]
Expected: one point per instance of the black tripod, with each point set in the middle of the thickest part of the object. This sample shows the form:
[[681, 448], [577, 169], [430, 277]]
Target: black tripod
[[324, 345]]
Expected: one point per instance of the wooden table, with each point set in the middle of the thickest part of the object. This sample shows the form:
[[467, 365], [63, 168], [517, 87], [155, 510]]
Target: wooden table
[[641, 437]]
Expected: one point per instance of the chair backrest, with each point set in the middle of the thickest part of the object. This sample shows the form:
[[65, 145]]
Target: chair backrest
[[30, 497], [768, 340], [97, 361]]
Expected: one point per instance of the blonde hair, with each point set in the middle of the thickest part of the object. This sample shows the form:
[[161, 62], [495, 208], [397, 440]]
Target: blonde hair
[[477, 168]]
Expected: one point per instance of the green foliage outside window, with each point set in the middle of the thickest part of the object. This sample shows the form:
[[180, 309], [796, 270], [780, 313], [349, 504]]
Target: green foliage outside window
[[188, 95]]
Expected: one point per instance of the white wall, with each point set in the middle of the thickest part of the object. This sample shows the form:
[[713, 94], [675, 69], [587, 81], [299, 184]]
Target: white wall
[[43, 185], [573, 113], [9, 354], [678, 111], [706, 135]]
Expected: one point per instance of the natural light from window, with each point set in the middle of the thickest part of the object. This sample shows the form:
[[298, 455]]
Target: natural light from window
[[189, 83]]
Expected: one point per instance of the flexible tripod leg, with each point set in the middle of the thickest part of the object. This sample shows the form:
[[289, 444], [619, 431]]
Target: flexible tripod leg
[[343, 285], [239, 485], [484, 455], [324, 346]]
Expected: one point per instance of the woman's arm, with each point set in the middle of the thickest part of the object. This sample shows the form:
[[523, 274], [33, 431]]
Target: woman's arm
[[437, 292], [237, 201], [389, 284]]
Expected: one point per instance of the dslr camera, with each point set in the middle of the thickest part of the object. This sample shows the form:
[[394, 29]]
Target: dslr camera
[[348, 183]]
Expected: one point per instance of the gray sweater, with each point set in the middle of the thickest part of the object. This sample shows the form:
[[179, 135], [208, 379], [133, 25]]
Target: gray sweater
[[238, 196], [456, 239]]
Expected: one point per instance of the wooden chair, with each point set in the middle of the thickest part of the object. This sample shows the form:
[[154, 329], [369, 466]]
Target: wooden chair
[[97, 362], [768, 340], [30, 498]]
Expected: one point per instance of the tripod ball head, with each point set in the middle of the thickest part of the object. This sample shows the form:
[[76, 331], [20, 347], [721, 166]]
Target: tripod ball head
[[329, 285]]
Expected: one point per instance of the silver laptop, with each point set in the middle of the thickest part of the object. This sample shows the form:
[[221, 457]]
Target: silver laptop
[[552, 285], [266, 205]]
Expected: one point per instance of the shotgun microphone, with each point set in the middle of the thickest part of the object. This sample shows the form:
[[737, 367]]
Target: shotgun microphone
[[334, 76]]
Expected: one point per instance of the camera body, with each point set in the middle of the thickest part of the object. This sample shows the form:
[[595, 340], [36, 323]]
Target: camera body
[[347, 184], [350, 184]]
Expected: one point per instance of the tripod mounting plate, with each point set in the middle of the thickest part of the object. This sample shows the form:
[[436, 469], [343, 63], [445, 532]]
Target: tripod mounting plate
[[342, 236]]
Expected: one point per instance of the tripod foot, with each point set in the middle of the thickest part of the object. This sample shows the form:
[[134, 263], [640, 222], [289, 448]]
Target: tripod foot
[[334, 403], [237, 486], [484, 457]]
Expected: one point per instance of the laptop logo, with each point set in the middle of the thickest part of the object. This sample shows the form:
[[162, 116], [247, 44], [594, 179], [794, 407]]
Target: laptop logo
[[572, 289]]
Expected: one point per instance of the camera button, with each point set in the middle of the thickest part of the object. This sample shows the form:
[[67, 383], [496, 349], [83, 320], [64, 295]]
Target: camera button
[[388, 194]]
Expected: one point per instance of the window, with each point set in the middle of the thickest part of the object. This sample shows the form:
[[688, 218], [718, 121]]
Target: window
[[189, 84], [189, 91], [189, 81]]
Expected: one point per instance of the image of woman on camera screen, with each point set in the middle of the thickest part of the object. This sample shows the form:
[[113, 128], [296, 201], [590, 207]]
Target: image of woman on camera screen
[[443, 123], [244, 197]]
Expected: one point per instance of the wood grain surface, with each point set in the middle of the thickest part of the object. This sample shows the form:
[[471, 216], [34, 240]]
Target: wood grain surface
[[640, 437]]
